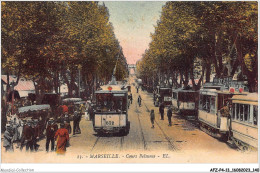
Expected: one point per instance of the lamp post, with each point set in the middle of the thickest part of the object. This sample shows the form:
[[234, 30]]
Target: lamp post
[[12, 84]]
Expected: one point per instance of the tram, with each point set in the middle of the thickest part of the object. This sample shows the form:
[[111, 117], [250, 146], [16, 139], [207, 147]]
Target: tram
[[244, 119], [111, 110], [186, 102], [211, 100], [164, 94]]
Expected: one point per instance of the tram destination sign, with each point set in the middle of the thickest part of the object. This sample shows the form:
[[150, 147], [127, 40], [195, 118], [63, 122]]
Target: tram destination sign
[[228, 82]]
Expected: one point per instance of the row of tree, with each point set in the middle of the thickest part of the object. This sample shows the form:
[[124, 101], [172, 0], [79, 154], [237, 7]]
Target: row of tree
[[53, 43], [222, 35]]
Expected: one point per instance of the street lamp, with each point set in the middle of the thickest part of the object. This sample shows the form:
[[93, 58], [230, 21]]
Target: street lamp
[[12, 84]]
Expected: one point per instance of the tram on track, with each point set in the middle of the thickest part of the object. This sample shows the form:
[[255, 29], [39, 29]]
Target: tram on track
[[186, 102], [164, 94], [244, 120], [212, 100], [111, 109]]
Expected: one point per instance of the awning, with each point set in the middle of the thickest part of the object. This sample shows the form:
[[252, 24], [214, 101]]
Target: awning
[[25, 93]]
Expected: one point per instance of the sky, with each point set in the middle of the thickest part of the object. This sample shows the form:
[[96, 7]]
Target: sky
[[133, 23]]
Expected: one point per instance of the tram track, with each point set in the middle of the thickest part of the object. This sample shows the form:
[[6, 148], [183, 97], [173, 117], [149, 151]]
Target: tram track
[[142, 133], [171, 145], [95, 144], [121, 142]]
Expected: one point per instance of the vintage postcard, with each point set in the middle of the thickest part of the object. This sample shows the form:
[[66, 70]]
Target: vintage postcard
[[166, 82]]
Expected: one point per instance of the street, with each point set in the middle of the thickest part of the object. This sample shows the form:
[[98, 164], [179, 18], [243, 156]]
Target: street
[[183, 142]]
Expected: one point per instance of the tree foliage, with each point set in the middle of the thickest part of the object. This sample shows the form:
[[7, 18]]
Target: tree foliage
[[49, 41], [218, 34]]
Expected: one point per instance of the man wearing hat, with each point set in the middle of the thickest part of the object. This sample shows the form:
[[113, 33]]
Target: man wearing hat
[[36, 135], [75, 121], [52, 127], [8, 138], [28, 133]]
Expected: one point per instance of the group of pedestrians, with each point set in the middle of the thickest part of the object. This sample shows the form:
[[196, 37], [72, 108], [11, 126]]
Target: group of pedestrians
[[161, 110], [27, 132]]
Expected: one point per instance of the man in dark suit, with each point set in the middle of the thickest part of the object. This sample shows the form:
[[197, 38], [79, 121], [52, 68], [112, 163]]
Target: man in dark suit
[[161, 110], [51, 129]]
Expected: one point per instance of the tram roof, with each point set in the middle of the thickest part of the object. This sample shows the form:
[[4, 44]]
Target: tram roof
[[72, 100], [33, 108], [215, 91], [250, 97], [176, 89], [114, 89], [182, 90]]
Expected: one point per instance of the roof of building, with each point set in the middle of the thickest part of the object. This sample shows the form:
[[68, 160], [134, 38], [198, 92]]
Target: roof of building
[[23, 84]]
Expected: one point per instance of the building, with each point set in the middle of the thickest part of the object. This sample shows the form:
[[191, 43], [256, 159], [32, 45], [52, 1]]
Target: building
[[24, 86]]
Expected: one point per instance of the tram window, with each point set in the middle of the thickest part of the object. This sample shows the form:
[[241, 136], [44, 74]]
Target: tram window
[[233, 110], [174, 95], [245, 112], [237, 111], [249, 115], [255, 115], [201, 102], [212, 104], [208, 103], [241, 112]]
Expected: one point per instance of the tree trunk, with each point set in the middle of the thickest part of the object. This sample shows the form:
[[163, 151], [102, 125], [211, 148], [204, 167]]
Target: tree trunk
[[208, 72]]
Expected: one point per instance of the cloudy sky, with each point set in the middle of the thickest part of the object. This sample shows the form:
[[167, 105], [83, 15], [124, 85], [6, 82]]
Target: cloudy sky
[[133, 22]]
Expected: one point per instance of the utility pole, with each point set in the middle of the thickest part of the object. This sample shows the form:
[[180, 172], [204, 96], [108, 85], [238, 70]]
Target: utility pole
[[79, 82]]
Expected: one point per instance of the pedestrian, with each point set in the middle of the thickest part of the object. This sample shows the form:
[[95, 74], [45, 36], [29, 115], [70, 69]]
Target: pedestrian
[[90, 110], [28, 133], [82, 109], [15, 130], [161, 110], [36, 134], [75, 122], [137, 88], [20, 129], [51, 129], [78, 122], [23, 136], [139, 100], [8, 138], [169, 115], [128, 103], [152, 117], [61, 136], [131, 98], [67, 123]]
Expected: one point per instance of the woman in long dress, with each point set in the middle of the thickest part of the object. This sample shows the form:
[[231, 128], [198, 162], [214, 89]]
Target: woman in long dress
[[62, 137]]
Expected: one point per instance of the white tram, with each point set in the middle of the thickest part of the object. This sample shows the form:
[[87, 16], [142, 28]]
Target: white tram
[[186, 102], [210, 119], [244, 120], [111, 111]]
